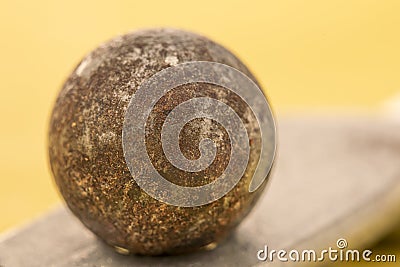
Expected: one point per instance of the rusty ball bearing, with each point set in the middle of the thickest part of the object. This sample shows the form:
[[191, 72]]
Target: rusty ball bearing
[[93, 137]]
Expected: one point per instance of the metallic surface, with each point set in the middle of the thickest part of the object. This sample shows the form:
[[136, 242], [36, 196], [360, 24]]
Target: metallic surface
[[336, 177]]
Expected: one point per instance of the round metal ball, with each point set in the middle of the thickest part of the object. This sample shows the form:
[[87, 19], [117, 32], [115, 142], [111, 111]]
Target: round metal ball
[[88, 159]]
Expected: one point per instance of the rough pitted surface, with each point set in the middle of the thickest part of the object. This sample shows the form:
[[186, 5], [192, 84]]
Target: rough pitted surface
[[86, 154]]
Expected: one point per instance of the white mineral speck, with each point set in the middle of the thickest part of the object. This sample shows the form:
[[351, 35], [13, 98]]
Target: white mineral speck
[[171, 60]]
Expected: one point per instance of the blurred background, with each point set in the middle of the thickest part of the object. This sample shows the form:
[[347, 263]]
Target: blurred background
[[308, 55]]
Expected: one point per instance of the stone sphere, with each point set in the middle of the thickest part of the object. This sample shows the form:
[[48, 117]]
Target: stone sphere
[[87, 156]]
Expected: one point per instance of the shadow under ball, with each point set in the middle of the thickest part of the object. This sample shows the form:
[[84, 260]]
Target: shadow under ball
[[87, 158]]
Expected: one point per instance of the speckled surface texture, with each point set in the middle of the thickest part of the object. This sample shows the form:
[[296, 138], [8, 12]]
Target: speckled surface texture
[[86, 154]]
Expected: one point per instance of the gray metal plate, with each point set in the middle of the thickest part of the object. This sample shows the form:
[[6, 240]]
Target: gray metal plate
[[336, 177]]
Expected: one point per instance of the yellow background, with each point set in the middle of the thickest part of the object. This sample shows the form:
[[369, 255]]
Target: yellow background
[[308, 54]]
